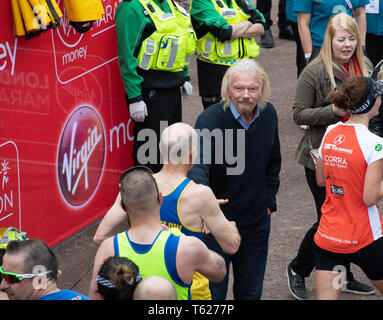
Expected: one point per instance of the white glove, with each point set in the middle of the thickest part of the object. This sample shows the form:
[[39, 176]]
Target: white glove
[[138, 111], [187, 89]]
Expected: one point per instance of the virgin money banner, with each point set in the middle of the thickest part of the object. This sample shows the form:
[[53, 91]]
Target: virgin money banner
[[65, 131]]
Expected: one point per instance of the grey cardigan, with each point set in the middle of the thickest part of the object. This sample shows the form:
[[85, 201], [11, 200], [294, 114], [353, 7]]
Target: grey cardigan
[[308, 108]]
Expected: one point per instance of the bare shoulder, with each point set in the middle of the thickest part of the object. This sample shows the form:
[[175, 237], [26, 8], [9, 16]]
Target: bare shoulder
[[107, 247], [200, 200], [200, 192], [105, 251], [191, 246]]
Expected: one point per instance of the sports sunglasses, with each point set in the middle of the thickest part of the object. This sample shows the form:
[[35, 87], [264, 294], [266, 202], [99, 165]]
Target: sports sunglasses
[[135, 168], [15, 278]]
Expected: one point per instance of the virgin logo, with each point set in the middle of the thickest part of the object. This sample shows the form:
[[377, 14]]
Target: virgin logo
[[66, 32], [81, 156]]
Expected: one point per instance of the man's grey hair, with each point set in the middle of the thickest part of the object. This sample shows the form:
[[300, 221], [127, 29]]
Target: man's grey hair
[[251, 67]]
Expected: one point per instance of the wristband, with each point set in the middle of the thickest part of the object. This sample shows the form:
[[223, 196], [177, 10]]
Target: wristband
[[307, 55]]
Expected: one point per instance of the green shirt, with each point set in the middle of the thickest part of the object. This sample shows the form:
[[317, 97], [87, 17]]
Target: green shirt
[[133, 25], [204, 12]]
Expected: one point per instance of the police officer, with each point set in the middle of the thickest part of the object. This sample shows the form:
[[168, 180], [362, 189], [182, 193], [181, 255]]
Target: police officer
[[225, 34], [155, 43]]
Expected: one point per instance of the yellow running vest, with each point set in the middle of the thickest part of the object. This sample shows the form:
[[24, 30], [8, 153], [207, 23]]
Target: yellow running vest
[[152, 262], [210, 49], [171, 46]]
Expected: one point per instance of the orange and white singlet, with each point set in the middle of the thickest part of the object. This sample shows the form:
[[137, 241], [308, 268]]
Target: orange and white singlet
[[347, 224]]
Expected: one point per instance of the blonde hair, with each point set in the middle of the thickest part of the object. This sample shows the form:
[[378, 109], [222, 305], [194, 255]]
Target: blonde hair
[[341, 21], [251, 67]]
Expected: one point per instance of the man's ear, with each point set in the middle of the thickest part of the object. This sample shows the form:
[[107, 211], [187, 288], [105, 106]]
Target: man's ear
[[193, 154], [160, 199]]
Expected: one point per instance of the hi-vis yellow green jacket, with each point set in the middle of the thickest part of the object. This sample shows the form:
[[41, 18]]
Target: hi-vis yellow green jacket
[[210, 49], [171, 46]]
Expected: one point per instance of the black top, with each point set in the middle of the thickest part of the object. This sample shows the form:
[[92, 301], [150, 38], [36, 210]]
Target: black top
[[254, 190]]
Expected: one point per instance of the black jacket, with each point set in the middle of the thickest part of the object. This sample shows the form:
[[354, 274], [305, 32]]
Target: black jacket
[[254, 190]]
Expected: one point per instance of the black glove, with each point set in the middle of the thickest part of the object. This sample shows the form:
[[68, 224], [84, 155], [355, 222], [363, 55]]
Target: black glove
[[257, 17]]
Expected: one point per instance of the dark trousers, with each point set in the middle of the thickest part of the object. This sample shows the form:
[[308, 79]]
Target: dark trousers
[[163, 105], [304, 263], [374, 48], [314, 53], [209, 82], [264, 6], [299, 55], [249, 263]]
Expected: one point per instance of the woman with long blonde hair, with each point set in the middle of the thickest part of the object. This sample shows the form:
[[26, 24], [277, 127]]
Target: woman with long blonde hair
[[357, 63]]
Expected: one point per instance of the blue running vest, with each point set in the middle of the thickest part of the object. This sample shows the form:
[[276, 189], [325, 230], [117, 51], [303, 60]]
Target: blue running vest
[[170, 210]]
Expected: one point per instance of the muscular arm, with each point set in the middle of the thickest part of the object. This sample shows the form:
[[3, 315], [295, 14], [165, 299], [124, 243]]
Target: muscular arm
[[104, 252], [224, 231], [115, 221], [193, 255]]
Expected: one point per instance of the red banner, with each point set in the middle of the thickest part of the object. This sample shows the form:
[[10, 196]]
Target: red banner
[[65, 131]]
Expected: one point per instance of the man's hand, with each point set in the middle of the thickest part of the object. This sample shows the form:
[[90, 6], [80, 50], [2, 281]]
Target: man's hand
[[205, 229], [138, 111], [222, 201]]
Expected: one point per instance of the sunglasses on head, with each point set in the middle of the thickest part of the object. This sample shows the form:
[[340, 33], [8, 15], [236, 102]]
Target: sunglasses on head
[[135, 168], [15, 278]]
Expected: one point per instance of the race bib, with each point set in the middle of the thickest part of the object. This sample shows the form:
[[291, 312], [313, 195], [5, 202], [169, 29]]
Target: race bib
[[373, 7]]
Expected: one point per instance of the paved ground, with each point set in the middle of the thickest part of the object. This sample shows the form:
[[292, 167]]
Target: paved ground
[[295, 213]]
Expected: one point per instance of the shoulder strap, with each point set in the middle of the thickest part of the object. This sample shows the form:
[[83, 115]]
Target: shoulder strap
[[350, 7], [171, 256], [175, 7]]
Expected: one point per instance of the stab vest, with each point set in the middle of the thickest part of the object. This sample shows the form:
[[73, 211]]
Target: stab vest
[[210, 49], [170, 47]]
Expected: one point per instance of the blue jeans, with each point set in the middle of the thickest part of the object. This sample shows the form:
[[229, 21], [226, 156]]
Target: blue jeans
[[249, 263]]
